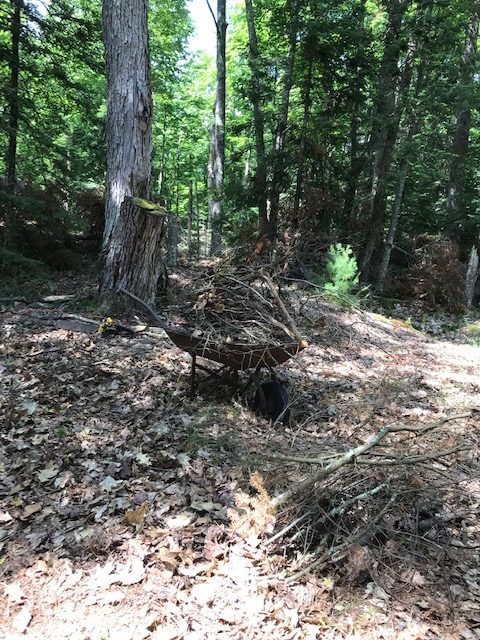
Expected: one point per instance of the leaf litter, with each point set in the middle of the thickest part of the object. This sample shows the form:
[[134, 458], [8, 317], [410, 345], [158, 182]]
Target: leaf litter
[[130, 510]]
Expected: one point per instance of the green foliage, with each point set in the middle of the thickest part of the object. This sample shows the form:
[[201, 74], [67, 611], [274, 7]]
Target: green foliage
[[340, 278], [62, 114], [341, 271], [15, 263]]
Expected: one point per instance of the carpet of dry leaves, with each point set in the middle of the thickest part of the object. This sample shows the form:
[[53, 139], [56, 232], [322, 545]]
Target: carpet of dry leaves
[[129, 510]]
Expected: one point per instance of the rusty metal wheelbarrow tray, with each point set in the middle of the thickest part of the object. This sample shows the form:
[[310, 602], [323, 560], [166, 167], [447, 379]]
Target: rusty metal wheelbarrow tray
[[236, 355]]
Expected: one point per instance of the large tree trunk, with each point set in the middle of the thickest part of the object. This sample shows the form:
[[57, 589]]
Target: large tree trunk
[[405, 163], [385, 128], [278, 162], [216, 162], [13, 117], [256, 99], [132, 239], [456, 182]]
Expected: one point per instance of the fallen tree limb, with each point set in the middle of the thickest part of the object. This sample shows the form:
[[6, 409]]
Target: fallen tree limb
[[353, 454], [414, 459], [282, 307]]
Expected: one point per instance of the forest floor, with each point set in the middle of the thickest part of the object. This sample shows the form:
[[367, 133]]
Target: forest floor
[[129, 510]]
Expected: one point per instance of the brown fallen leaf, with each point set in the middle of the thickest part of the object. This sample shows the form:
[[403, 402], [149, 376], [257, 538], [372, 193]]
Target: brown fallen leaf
[[169, 558], [197, 569], [136, 517], [30, 509]]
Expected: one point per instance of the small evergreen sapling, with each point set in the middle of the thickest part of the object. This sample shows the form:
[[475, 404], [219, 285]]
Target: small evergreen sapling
[[341, 271]]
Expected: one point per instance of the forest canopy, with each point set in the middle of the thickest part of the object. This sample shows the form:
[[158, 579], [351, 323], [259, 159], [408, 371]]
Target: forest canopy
[[352, 122]]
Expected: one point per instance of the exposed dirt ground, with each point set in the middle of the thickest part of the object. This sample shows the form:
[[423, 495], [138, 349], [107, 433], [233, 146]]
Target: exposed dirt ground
[[129, 510]]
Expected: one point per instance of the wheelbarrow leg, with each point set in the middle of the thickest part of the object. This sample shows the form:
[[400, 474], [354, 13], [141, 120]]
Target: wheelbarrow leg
[[192, 375]]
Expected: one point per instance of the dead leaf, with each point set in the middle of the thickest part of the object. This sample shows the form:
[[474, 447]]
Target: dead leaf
[[414, 577], [143, 459], [5, 516], [29, 406], [62, 479], [169, 558], [132, 572], [22, 619], [206, 506], [109, 483], [137, 516], [48, 473], [197, 569], [30, 509], [14, 593], [181, 520]]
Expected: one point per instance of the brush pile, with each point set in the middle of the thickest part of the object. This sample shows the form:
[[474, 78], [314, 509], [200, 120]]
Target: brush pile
[[242, 305]]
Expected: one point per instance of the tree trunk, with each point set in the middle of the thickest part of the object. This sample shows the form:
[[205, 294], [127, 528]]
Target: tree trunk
[[471, 276], [172, 240], [357, 162], [216, 162], [132, 239], [161, 173], [392, 229], [278, 162], [256, 99], [456, 182], [413, 129], [303, 141], [190, 218], [197, 218], [385, 128], [13, 109]]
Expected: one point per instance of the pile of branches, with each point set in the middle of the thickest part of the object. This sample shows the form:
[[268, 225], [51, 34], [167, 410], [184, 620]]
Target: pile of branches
[[437, 275], [366, 508], [242, 305]]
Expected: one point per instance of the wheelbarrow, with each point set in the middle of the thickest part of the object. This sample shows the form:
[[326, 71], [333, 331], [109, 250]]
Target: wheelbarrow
[[237, 356]]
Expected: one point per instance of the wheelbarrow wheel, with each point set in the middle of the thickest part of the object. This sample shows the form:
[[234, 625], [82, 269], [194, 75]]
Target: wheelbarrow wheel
[[271, 401]]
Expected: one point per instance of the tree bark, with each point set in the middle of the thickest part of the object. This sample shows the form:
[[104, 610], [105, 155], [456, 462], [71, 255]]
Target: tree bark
[[216, 162], [256, 99], [385, 128], [303, 140], [131, 250], [392, 229], [190, 218], [357, 161], [456, 182], [13, 107], [278, 162], [471, 276], [405, 164]]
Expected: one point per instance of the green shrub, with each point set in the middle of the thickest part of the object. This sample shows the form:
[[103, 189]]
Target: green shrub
[[14, 262], [340, 278], [341, 271]]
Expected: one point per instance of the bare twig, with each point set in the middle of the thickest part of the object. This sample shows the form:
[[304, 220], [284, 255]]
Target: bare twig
[[283, 308], [414, 459], [353, 454], [340, 550]]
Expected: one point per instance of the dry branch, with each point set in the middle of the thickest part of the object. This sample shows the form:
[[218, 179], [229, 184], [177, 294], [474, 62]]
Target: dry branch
[[352, 455]]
